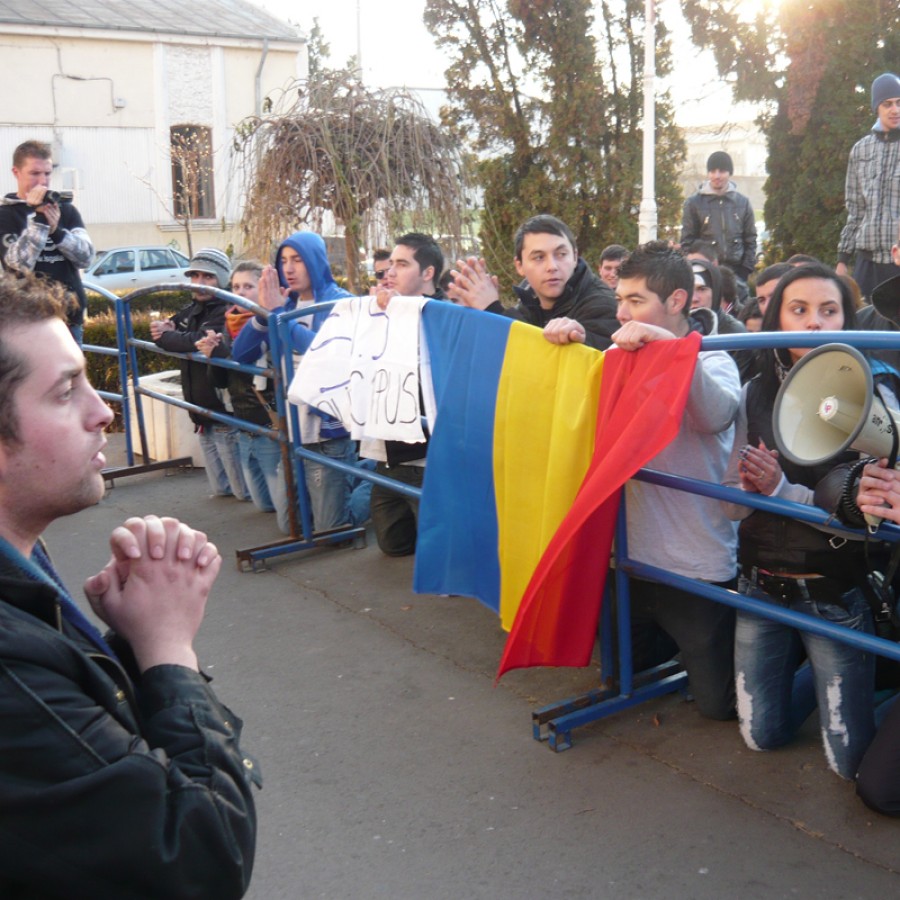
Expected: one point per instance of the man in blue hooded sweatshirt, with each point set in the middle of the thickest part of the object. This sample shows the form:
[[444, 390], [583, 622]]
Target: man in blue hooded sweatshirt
[[301, 277]]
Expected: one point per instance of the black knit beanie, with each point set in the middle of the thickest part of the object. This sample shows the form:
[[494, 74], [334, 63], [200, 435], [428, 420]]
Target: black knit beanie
[[720, 160]]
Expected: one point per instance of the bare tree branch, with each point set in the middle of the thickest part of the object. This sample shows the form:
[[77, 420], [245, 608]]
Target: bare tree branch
[[372, 158]]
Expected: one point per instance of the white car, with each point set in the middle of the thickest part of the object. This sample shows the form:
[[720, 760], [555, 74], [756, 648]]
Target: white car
[[127, 268]]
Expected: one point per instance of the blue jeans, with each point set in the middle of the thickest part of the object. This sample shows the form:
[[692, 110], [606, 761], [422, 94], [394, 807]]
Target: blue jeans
[[264, 475], [329, 489], [774, 697], [222, 458], [361, 495]]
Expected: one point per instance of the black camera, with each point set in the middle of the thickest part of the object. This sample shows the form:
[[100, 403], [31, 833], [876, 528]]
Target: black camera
[[57, 197]]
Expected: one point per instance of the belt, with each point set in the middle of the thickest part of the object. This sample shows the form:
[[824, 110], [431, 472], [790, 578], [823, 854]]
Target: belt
[[787, 589]]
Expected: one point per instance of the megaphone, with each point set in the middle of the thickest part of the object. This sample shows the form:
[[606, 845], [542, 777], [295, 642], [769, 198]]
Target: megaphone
[[827, 404]]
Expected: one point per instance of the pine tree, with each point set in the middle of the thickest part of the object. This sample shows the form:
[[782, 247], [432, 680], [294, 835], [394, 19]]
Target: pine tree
[[815, 64], [555, 119]]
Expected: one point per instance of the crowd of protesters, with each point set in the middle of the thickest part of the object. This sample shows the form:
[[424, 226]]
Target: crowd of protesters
[[114, 741], [769, 676]]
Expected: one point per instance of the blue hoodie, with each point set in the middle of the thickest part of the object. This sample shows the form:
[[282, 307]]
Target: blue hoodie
[[248, 344]]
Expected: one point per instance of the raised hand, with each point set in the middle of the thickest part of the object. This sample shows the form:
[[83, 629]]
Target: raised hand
[[472, 285]]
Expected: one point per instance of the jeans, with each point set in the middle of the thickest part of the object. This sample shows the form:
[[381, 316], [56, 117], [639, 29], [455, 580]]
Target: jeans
[[775, 697], [264, 475], [394, 517], [222, 457], [666, 621], [329, 489], [361, 495]]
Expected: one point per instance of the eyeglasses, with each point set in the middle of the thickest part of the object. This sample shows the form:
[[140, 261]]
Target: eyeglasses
[[380, 273]]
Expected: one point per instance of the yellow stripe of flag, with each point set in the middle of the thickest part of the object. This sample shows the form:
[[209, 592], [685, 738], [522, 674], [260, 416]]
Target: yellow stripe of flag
[[544, 428]]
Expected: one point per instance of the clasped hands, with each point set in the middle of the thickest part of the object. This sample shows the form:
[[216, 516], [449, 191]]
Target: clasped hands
[[154, 588], [759, 469]]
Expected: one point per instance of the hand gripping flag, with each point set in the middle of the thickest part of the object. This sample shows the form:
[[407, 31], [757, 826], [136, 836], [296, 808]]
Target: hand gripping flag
[[511, 443], [531, 445], [642, 400]]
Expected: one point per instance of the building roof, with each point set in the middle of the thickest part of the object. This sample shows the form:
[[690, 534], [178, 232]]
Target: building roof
[[205, 18]]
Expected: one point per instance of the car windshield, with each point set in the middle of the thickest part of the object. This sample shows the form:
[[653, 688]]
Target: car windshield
[[122, 260]]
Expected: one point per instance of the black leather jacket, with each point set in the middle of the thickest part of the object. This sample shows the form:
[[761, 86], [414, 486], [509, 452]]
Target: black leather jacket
[[587, 299], [725, 220], [191, 324], [780, 543], [112, 786]]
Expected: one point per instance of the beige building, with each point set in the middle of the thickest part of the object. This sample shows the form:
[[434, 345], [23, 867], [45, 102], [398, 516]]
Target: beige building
[[139, 101]]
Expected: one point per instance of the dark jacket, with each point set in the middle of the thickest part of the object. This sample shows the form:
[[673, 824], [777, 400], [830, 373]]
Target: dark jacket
[[111, 785], [883, 314], [191, 324], [725, 220], [246, 402], [25, 245], [586, 298], [780, 543]]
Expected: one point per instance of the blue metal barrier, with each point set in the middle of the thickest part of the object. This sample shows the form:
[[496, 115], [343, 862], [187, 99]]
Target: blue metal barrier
[[622, 688], [302, 536], [120, 351]]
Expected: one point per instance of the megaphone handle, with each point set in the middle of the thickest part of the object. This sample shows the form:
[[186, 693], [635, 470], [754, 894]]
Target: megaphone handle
[[874, 522], [895, 438]]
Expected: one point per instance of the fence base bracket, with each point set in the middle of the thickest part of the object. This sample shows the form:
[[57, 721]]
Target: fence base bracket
[[253, 559], [554, 723], [114, 472]]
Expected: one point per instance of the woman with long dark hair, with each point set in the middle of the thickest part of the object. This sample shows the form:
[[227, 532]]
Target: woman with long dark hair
[[796, 565]]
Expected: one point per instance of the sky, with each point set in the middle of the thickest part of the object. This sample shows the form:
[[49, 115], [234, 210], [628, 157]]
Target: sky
[[701, 97]]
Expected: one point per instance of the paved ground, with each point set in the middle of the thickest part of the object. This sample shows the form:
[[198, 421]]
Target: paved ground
[[395, 769]]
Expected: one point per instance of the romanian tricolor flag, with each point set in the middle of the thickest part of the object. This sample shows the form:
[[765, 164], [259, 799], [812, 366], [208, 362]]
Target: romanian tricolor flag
[[531, 445]]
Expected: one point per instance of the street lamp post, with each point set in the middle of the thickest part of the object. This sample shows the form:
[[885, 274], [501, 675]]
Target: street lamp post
[[647, 217]]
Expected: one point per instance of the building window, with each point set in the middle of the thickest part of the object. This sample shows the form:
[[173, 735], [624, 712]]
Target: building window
[[193, 193]]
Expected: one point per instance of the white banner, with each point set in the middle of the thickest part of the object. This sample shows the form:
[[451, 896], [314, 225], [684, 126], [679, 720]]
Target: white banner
[[363, 369]]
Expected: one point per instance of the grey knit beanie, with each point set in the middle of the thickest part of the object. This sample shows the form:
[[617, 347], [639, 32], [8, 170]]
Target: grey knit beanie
[[884, 87], [212, 261]]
